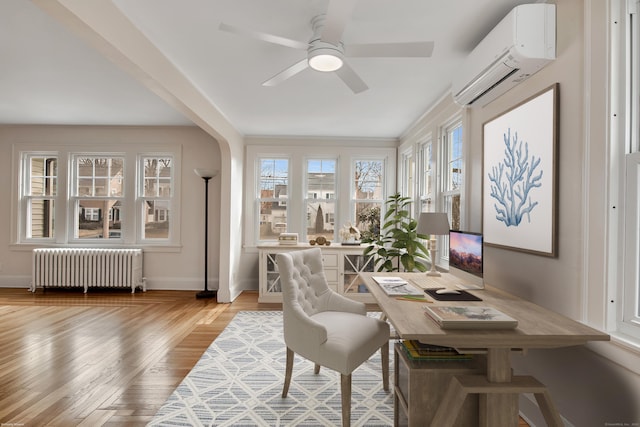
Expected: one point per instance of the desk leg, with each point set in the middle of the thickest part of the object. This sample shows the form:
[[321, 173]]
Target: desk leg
[[498, 409]]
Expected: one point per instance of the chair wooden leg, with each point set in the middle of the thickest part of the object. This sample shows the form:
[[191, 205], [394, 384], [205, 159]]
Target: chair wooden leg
[[287, 372], [345, 386], [316, 369], [384, 353]]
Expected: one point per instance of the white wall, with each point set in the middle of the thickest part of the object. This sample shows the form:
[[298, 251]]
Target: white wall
[[589, 389], [182, 268]]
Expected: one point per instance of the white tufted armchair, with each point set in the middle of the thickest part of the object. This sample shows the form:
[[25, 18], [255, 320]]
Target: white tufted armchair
[[326, 327]]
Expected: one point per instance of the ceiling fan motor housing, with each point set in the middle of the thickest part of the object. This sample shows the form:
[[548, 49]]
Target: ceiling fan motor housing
[[323, 56]]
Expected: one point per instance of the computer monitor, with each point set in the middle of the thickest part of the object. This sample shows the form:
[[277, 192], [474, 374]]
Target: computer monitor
[[465, 258]]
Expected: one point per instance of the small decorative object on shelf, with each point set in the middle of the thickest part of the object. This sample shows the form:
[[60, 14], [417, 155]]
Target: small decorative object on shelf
[[288, 239], [349, 234], [320, 240]]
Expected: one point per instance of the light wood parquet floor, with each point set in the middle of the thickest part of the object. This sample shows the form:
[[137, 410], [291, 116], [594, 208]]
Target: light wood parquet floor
[[102, 358]]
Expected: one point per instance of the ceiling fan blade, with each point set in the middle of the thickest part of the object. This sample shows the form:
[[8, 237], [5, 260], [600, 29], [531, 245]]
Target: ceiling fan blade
[[287, 73], [351, 79], [270, 38], [338, 14], [390, 50]]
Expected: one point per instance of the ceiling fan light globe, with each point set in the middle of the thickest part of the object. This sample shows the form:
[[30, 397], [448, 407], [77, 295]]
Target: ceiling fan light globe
[[325, 63], [325, 59]]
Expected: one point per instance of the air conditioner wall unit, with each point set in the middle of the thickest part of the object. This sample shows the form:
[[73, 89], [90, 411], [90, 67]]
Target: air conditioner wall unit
[[518, 47]]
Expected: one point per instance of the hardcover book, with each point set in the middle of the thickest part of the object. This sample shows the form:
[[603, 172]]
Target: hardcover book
[[469, 317]]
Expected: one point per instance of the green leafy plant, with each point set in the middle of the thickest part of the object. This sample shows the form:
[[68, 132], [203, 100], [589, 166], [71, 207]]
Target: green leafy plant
[[398, 242]]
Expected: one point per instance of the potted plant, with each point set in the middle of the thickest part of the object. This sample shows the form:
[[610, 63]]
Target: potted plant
[[398, 242]]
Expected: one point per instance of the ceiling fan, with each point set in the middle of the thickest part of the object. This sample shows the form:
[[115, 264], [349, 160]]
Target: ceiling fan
[[326, 52]]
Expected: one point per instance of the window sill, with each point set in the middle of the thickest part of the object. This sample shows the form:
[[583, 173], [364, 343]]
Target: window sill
[[28, 247], [622, 349]]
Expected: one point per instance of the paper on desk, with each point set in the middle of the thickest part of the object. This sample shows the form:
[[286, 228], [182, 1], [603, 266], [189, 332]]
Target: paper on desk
[[396, 286]]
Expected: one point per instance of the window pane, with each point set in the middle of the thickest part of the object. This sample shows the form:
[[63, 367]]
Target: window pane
[[368, 218], [456, 174], [99, 176], [99, 219], [41, 218], [426, 183], [156, 219], [320, 219], [272, 221], [101, 187], [452, 207], [157, 177], [368, 180], [321, 179], [274, 177], [273, 185], [455, 161], [43, 178]]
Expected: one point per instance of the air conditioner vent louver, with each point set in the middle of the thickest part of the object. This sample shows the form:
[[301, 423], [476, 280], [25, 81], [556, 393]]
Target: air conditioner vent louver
[[519, 46]]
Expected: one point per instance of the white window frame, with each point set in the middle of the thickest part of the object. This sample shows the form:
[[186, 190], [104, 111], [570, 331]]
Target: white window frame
[[426, 171], [315, 197], [73, 208], [281, 201], [353, 201], [27, 196], [298, 152], [445, 170], [407, 173], [65, 209], [142, 199], [624, 313]]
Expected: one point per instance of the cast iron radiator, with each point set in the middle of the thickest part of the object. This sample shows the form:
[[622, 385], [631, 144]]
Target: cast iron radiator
[[87, 267]]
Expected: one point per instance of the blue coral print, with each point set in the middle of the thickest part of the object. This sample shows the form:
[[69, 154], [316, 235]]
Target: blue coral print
[[513, 181]]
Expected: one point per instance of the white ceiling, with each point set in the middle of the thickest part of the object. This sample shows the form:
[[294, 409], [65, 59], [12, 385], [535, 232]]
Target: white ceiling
[[50, 76]]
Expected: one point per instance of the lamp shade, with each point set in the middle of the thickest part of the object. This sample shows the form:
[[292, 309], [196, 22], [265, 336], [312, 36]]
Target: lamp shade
[[433, 223], [205, 173]]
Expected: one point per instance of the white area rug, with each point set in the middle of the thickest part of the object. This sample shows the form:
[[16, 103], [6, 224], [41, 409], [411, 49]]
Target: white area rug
[[238, 382]]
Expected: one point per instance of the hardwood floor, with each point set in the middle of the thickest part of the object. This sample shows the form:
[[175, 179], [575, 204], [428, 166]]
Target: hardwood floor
[[104, 358]]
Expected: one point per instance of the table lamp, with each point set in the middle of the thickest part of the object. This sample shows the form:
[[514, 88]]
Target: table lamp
[[433, 224]]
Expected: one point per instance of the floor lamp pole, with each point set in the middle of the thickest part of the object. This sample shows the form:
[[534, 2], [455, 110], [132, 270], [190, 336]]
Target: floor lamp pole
[[206, 293]]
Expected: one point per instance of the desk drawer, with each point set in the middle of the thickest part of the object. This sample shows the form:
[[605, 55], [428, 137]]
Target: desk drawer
[[420, 387]]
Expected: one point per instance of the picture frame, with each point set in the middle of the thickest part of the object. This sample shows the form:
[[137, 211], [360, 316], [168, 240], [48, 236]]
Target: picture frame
[[519, 200]]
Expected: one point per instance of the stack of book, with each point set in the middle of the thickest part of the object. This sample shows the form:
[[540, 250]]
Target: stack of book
[[469, 317], [415, 350], [288, 239]]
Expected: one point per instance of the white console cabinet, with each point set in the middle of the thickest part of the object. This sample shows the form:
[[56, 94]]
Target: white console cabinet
[[341, 266]]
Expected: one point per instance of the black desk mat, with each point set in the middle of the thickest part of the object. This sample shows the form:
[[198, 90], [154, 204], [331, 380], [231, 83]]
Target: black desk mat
[[462, 296]]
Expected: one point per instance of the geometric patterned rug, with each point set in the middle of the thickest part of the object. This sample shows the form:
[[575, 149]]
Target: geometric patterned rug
[[238, 382]]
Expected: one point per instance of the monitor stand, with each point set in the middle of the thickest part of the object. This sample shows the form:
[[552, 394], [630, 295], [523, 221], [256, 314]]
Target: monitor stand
[[468, 281]]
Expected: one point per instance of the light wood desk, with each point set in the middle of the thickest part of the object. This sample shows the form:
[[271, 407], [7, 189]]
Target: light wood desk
[[537, 328]]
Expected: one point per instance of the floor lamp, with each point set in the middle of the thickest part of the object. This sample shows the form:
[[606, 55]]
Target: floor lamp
[[206, 174], [433, 224]]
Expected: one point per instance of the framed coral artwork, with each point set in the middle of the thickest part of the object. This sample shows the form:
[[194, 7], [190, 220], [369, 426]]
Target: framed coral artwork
[[519, 208]]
